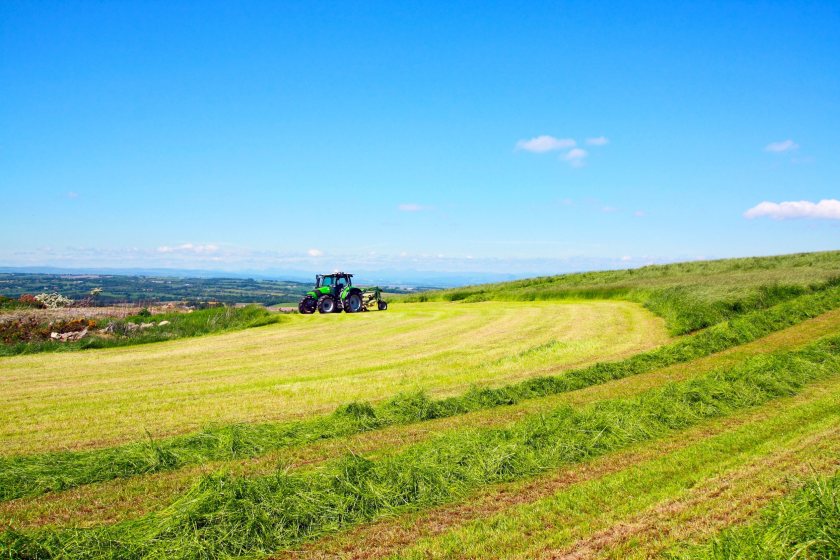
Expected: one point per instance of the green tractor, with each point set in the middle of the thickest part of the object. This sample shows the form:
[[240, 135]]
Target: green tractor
[[334, 292]]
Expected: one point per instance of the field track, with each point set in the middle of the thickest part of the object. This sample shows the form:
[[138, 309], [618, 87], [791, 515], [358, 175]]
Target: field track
[[306, 366]]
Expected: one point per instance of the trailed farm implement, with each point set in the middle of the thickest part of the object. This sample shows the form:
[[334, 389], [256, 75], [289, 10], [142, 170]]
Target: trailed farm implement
[[334, 293]]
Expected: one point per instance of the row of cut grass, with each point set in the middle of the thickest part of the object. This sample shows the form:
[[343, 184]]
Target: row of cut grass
[[36, 474], [640, 509], [805, 524], [590, 501], [98, 503], [229, 516]]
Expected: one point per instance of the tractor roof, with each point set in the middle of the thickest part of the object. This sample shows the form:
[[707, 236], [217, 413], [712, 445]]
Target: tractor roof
[[336, 274]]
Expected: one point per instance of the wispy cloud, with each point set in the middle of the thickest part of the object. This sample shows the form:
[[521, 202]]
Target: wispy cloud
[[72, 195], [189, 248], [828, 209], [411, 207], [598, 141], [545, 143], [576, 157], [315, 253], [781, 147]]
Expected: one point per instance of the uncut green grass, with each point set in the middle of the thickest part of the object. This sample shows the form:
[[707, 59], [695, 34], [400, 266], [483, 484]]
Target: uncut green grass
[[305, 366], [690, 295], [805, 524], [36, 474], [229, 516]]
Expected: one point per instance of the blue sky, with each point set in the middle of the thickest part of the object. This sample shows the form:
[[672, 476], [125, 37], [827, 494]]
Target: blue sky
[[498, 137]]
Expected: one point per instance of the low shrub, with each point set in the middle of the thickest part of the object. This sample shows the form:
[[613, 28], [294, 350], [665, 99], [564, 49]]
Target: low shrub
[[120, 333]]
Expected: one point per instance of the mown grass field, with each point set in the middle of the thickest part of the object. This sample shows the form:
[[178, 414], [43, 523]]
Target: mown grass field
[[601, 420]]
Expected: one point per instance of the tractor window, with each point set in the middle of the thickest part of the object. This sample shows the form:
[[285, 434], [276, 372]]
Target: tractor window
[[327, 281]]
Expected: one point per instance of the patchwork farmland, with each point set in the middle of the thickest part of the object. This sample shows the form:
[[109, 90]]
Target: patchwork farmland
[[681, 411]]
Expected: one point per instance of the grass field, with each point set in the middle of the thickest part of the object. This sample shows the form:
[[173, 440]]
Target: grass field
[[576, 425], [304, 366]]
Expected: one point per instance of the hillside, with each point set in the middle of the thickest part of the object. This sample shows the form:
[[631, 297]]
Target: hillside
[[690, 295], [664, 411]]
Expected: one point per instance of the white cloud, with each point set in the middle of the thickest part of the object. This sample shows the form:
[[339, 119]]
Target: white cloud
[[626, 258], [189, 248], [598, 141], [315, 253], [640, 213], [828, 209], [779, 147], [576, 157], [411, 207], [72, 195], [545, 143]]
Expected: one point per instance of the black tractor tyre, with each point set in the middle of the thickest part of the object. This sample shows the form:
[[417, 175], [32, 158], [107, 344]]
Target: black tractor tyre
[[326, 304], [307, 306], [382, 305], [353, 303]]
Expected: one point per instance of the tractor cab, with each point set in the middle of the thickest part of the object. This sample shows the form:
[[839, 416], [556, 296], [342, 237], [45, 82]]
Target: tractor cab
[[335, 292], [334, 282]]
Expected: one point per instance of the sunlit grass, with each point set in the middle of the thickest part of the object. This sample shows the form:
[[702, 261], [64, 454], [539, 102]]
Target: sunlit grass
[[304, 366]]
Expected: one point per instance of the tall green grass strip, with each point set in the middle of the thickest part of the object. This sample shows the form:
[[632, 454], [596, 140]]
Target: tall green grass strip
[[32, 475], [228, 516], [804, 525], [689, 296]]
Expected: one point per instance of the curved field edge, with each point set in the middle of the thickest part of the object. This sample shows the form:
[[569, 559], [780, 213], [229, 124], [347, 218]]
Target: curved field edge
[[804, 524], [125, 498], [36, 474], [689, 296], [225, 515], [305, 367]]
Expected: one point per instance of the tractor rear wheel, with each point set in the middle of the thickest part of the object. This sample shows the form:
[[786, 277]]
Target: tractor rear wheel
[[353, 303], [307, 306], [326, 304], [383, 305]]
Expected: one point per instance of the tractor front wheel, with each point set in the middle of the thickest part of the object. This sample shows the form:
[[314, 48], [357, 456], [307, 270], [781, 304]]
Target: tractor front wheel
[[326, 304], [353, 303], [383, 305], [307, 306]]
